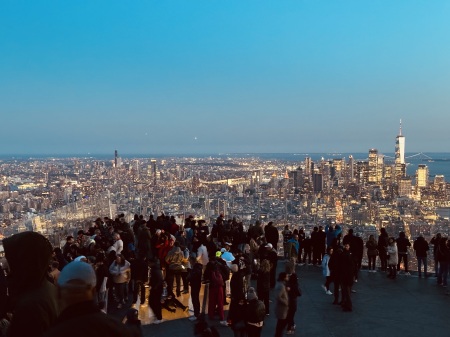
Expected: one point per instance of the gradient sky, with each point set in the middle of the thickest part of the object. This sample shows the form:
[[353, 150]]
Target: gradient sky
[[209, 76]]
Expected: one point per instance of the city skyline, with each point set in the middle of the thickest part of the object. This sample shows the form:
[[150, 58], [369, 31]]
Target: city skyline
[[212, 77]]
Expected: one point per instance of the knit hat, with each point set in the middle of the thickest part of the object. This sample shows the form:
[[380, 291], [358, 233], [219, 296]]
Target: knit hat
[[77, 274], [251, 294]]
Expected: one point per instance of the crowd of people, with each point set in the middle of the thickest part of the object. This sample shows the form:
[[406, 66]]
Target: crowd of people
[[51, 289]]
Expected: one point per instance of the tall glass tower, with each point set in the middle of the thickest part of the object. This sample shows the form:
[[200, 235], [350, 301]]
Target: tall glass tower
[[400, 165]]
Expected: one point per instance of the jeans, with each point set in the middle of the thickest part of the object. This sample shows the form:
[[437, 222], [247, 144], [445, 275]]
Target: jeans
[[195, 297], [171, 275], [121, 291], [372, 261], [420, 260]]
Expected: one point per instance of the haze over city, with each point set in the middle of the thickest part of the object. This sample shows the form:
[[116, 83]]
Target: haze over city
[[209, 77]]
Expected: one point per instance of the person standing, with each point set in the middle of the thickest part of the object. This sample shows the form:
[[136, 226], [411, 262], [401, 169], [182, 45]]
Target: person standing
[[294, 292], [443, 257], [346, 271], [195, 281], [382, 248], [435, 242], [392, 252], [121, 274], [287, 235], [156, 290], [326, 270], [402, 246], [372, 252], [254, 314], [421, 248], [281, 304], [272, 235], [293, 247]]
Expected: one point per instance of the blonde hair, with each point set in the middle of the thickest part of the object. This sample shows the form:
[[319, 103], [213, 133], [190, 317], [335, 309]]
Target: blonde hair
[[265, 266]]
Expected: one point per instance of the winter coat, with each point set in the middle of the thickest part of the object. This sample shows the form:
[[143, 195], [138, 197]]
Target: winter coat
[[421, 247], [372, 248], [332, 233], [120, 274], [346, 268], [281, 301], [393, 254]]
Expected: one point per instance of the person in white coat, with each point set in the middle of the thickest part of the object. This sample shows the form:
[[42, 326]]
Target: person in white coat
[[392, 252]]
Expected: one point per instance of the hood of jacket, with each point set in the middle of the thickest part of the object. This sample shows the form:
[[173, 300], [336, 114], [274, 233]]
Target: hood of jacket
[[28, 255]]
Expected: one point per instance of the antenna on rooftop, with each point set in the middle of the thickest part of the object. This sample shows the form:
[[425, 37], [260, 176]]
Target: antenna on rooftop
[[400, 127]]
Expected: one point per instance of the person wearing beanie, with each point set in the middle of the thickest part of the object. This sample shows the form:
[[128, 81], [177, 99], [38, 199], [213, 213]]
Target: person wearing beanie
[[255, 312], [76, 295]]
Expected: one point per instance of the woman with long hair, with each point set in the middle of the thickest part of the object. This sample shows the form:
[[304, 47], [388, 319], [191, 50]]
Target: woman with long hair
[[263, 283]]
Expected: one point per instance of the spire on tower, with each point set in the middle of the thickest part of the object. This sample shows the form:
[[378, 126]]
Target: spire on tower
[[400, 128]]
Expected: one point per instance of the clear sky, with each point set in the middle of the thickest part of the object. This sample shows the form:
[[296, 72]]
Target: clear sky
[[195, 76]]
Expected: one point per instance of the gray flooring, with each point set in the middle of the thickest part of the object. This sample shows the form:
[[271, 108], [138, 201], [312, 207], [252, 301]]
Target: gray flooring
[[407, 306]]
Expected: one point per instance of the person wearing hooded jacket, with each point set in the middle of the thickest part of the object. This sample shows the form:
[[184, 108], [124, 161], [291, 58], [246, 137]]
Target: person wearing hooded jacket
[[33, 297]]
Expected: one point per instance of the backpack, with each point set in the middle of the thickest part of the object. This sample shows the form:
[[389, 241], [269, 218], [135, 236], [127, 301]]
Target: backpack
[[216, 278]]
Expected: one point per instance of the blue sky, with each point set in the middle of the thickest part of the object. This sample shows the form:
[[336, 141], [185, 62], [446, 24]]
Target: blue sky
[[223, 76]]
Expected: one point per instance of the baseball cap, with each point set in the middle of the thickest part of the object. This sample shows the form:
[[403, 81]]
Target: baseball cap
[[77, 274], [269, 245]]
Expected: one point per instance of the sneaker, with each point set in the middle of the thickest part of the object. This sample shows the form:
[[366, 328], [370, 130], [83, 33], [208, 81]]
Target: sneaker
[[158, 321], [192, 318], [323, 287], [224, 323], [329, 292]]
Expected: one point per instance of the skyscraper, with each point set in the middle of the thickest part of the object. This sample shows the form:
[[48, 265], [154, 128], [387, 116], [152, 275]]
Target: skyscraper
[[400, 165], [422, 176], [115, 158], [153, 168], [375, 166]]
